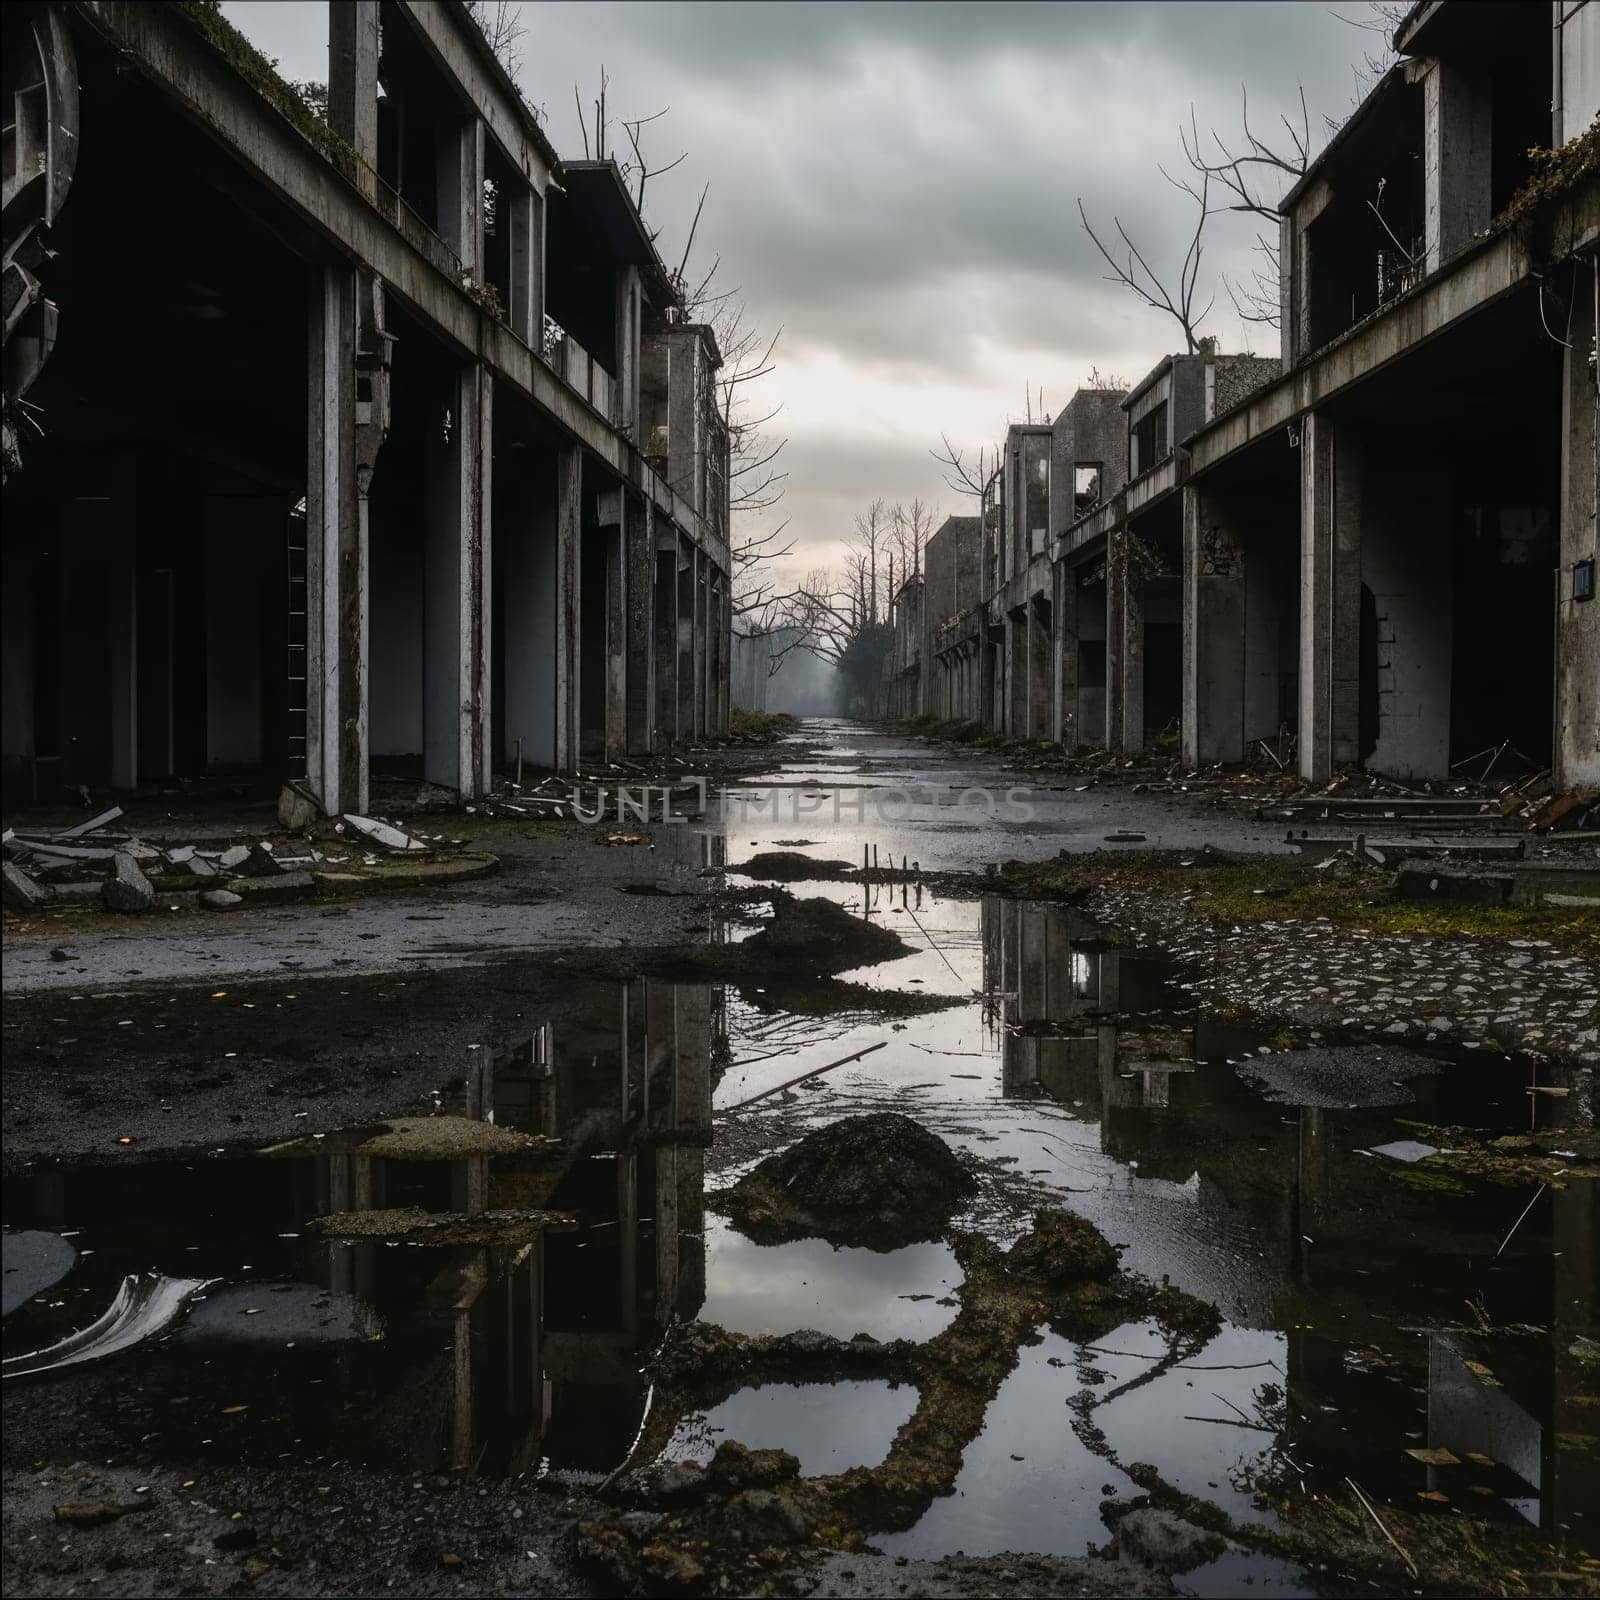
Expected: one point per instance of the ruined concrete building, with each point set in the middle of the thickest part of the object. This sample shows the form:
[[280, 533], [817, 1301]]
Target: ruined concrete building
[[1379, 546], [362, 438]]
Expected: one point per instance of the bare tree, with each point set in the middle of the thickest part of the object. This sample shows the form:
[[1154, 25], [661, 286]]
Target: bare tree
[[911, 528], [1105, 382], [501, 23], [1134, 272], [1256, 174]]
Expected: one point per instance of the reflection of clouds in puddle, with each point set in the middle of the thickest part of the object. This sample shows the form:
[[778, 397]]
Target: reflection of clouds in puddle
[[775, 1289], [831, 1427]]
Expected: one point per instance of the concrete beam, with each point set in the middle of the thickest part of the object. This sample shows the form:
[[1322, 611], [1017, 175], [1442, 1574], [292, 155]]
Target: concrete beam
[[1480, 276]]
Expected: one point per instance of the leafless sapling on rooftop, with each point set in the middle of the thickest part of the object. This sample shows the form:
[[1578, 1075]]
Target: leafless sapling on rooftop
[[1133, 271]]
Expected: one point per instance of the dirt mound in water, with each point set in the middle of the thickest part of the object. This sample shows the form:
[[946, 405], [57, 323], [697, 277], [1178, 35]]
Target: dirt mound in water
[[790, 866], [817, 936], [881, 1181]]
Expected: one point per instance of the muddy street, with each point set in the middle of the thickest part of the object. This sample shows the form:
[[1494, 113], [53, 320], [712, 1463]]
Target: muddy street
[[1176, 1253]]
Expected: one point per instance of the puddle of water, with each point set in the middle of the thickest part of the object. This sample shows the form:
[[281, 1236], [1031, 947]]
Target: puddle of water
[[1354, 1297], [830, 1427], [777, 1289]]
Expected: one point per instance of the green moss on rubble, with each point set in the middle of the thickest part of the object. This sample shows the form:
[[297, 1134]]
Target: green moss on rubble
[[1062, 1272], [766, 727], [1283, 888]]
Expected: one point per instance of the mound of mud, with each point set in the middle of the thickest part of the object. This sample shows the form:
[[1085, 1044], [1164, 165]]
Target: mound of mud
[[817, 936], [790, 866], [882, 1181]]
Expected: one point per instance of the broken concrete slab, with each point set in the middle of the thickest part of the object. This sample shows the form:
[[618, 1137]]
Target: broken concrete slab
[[383, 835], [219, 900], [232, 859], [415, 1139], [1467, 848], [297, 807], [128, 889], [92, 825], [1434, 880], [286, 886], [21, 892]]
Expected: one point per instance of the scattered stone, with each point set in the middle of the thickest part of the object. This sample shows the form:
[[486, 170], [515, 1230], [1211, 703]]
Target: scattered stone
[[220, 899], [234, 857], [882, 1181], [1336, 1077], [127, 889]]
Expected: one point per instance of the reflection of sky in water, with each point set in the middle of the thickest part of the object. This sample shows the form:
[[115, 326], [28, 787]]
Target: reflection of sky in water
[[831, 1427], [777, 1289], [1028, 1482]]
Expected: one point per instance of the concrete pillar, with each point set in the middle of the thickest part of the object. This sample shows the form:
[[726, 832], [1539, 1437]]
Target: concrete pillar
[[1116, 654], [525, 218], [1213, 630], [455, 639], [336, 550], [665, 638], [611, 515], [569, 616], [122, 629], [1065, 687], [1458, 114], [1330, 596], [1131, 652], [685, 559], [1041, 674], [460, 191], [1015, 718], [353, 50], [528, 535], [1577, 729], [641, 617], [702, 597]]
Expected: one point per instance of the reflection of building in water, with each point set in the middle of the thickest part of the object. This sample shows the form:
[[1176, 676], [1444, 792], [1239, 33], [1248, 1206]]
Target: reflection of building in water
[[1071, 1012], [505, 1345]]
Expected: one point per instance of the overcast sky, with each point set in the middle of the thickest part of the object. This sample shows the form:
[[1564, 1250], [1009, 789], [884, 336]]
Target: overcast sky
[[896, 185]]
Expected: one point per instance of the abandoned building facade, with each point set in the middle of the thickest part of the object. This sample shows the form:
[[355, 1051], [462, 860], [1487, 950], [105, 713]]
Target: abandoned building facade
[[366, 437], [1376, 547]]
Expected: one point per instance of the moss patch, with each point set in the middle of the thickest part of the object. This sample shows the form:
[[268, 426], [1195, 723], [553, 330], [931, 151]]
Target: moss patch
[[1515, 1159], [414, 1139], [412, 1225], [764, 727], [1282, 888]]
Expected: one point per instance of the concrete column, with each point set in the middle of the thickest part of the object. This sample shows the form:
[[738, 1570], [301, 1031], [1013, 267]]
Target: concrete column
[[1040, 670], [1577, 723], [1131, 653], [455, 645], [1213, 631], [641, 618], [1330, 597], [665, 639], [336, 551], [525, 565], [525, 218], [1015, 720], [122, 628], [1458, 113], [569, 617], [685, 558], [612, 522], [702, 597], [1116, 654], [460, 191], [1065, 724], [353, 49]]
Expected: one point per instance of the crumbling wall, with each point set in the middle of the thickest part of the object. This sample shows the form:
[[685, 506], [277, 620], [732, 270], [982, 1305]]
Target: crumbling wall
[[1237, 377]]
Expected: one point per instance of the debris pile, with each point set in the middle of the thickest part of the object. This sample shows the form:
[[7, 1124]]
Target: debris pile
[[90, 863]]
